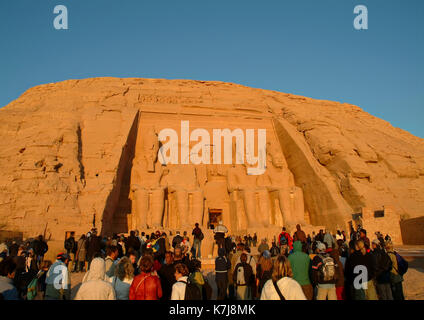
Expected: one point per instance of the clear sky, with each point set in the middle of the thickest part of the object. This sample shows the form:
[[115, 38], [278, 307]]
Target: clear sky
[[305, 47]]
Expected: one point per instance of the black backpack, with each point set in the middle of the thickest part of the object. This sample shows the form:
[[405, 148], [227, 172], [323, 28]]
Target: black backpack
[[192, 291]]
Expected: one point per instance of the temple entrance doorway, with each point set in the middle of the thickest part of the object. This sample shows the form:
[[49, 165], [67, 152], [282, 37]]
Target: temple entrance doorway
[[215, 215]]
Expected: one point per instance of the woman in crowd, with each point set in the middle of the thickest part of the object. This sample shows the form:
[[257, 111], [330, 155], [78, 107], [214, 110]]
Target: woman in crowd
[[124, 275], [179, 287], [281, 286], [146, 286]]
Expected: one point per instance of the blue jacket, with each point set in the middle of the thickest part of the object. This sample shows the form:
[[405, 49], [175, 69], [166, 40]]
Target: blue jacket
[[7, 289]]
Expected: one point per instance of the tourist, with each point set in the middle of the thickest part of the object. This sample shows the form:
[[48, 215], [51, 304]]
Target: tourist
[[44, 268], [328, 239], [324, 274], [133, 243], [177, 240], [339, 236], [301, 267], [281, 286], [70, 246], [7, 274], [132, 255], [285, 242], [275, 251], [243, 279], [111, 256], [146, 286], [396, 278], [340, 280], [181, 277], [162, 247], [96, 285], [364, 238], [81, 254], [121, 246], [222, 265], [93, 246], [320, 236], [263, 246], [250, 260], [58, 270], [196, 276], [254, 239], [13, 249], [234, 258], [360, 257], [179, 256], [383, 266], [299, 234], [263, 271], [4, 251], [166, 274], [40, 249], [220, 232], [197, 241], [123, 278]]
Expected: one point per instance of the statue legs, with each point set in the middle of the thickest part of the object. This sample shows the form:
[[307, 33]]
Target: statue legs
[[284, 199], [141, 205], [249, 199], [182, 205], [197, 206], [157, 206], [263, 215]]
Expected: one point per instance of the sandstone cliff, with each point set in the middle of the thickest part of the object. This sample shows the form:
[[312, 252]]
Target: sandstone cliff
[[66, 150]]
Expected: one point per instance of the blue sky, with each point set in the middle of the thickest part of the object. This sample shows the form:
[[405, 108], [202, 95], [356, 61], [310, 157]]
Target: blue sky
[[305, 47]]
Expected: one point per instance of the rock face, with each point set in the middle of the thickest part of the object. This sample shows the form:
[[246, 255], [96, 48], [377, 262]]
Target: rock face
[[67, 151]]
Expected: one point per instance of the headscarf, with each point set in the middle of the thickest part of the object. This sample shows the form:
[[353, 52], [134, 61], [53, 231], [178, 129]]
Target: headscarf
[[97, 271]]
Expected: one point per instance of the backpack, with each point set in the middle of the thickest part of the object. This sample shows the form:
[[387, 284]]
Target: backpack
[[32, 289], [402, 264], [192, 291], [327, 270], [283, 239], [201, 236]]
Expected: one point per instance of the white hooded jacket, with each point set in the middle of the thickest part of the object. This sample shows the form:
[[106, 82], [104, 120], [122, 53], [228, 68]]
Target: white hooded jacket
[[95, 285], [289, 288]]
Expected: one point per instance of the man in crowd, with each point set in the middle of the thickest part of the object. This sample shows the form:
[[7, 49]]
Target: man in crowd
[[197, 242]]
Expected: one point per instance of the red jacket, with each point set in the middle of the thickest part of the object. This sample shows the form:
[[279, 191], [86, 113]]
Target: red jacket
[[145, 286]]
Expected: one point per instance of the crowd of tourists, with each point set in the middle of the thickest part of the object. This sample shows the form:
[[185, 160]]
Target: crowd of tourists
[[159, 266]]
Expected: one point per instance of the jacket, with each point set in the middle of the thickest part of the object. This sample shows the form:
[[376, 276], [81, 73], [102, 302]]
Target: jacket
[[222, 264], [178, 289], [7, 289], [167, 279], [289, 288], [110, 267], [146, 286], [81, 254], [121, 287], [58, 282], [356, 259], [301, 264], [94, 286], [383, 265]]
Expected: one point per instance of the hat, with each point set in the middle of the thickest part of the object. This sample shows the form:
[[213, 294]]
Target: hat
[[321, 246], [63, 256], [266, 254]]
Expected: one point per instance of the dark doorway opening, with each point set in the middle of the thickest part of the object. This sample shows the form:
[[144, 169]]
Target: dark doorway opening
[[215, 215]]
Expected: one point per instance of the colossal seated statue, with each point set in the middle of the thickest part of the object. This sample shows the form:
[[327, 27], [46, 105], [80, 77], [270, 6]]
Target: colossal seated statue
[[146, 190], [182, 180]]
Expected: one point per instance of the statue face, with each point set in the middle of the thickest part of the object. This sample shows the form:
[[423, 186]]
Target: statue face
[[277, 161]]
